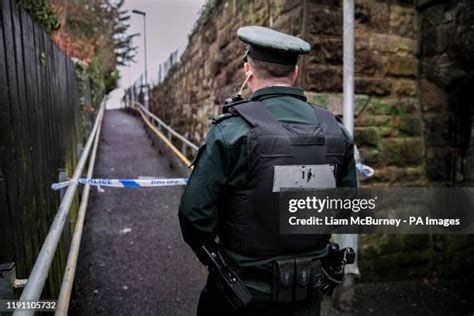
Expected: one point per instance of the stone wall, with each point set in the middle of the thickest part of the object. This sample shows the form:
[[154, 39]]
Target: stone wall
[[445, 75], [388, 124], [210, 68], [446, 81], [398, 103]]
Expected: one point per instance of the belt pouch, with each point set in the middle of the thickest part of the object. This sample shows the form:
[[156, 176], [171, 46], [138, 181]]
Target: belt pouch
[[303, 275], [318, 288], [283, 279]]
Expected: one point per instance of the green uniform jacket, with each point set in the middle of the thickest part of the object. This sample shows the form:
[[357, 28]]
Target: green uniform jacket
[[221, 164]]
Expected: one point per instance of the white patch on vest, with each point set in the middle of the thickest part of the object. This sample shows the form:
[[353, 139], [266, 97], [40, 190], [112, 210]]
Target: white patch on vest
[[303, 177]]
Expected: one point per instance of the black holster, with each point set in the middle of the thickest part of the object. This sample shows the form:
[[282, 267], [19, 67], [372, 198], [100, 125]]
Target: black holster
[[333, 266], [226, 280]]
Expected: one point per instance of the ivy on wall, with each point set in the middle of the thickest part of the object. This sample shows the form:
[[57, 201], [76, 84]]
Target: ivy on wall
[[41, 13]]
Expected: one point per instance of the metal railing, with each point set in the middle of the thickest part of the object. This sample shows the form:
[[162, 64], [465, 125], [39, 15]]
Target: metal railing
[[39, 273], [158, 126], [70, 270]]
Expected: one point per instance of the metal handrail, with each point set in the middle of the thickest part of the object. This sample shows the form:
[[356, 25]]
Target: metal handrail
[[39, 273], [70, 270], [166, 140], [162, 124]]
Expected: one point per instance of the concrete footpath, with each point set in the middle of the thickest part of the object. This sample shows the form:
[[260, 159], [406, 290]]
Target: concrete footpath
[[133, 260]]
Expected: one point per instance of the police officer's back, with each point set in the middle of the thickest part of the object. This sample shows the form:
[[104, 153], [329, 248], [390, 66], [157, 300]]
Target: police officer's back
[[233, 191]]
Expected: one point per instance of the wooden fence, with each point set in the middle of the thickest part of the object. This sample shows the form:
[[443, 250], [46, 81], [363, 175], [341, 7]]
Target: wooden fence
[[39, 135]]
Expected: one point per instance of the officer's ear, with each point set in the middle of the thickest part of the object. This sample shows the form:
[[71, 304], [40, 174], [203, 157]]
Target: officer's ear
[[295, 74], [248, 71], [246, 67]]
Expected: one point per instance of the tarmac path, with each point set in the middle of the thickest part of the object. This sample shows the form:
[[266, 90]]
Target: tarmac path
[[133, 260]]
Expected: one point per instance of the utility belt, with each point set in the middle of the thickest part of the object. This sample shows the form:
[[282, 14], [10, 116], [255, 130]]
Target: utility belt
[[303, 278]]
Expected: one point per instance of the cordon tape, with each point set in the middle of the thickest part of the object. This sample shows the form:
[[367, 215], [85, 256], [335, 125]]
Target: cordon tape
[[123, 183], [364, 170]]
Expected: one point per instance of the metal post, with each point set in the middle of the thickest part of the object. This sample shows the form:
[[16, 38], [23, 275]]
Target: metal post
[[183, 148], [145, 97], [348, 81], [344, 294], [348, 240], [146, 61]]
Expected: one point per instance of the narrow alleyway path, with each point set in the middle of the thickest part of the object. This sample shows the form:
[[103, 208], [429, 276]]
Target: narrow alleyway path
[[133, 260]]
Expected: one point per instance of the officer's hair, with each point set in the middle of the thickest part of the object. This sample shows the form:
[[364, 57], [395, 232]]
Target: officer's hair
[[266, 70]]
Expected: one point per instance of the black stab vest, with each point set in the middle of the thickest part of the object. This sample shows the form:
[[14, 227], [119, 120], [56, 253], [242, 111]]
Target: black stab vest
[[249, 216]]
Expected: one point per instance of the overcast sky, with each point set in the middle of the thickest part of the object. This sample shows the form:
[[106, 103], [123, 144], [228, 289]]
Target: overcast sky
[[168, 23]]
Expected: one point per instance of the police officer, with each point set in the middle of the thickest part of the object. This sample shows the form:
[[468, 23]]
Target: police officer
[[231, 203]]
